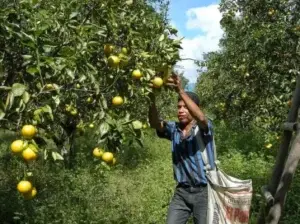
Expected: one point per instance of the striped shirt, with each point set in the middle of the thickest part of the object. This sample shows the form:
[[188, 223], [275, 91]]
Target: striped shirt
[[188, 165]]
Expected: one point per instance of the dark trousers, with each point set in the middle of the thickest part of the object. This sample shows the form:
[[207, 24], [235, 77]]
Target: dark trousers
[[187, 201]]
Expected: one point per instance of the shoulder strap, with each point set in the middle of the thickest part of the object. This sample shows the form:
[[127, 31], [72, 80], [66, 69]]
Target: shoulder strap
[[209, 158]]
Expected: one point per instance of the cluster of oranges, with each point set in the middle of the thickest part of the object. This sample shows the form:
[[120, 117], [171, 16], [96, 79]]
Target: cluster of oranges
[[107, 157], [26, 149], [121, 59], [27, 190]]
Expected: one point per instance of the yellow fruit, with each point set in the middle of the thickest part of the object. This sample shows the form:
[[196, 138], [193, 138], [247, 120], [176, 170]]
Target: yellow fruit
[[108, 49], [268, 146], [29, 154], [113, 61], [78, 86], [91, 125], [17, 146], [123, 59], [137, 74], [107, 157], [28, 131], [137, 124], [24, 186], [74, 112], [31, 194], [98, 152], [117, 101], [89, 100], [157, 82], [68, 108], [145, 126], [49, 87], [124, 50]]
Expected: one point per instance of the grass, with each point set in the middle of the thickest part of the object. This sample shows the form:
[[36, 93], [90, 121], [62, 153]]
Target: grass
[[137, 190]]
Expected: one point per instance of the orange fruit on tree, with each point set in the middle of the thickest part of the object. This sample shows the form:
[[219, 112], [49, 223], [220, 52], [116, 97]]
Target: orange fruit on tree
[[24, 186], [113, 61], [137, 74], [157, 82], [31, 194], [29, 154], [123, 60], [28, 131], [124, 50], [107, 157], [117, 101], [108, 49], [98, 153], [17, 146], [74, 111]]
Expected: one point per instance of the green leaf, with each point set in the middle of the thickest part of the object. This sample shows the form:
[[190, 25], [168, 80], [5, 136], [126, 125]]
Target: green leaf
[[103, 102], [67, 51], [27, 57], [140, 142], [5, 88], [56, 156], [18, 89], [161, 38], [9, 101], [2, 114], [129, 2], [137, 125], [32, 70], [103, 128], [73, 14], [28, 36], [101, 114]]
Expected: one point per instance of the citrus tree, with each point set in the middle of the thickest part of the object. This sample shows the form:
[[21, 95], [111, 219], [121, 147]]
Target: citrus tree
[[69, 67], [251, 79]]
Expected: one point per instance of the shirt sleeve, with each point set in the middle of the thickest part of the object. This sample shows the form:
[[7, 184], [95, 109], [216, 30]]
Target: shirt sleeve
[[209, 132], [168, 130]]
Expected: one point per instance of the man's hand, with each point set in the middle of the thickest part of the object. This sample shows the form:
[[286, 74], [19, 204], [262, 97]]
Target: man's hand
[[174, 82]]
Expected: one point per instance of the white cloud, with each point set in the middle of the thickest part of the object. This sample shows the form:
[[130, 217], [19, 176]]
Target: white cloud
[[207, 21]]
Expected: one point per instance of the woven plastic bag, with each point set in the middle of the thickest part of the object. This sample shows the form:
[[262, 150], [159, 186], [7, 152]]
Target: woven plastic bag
[[229, 198]]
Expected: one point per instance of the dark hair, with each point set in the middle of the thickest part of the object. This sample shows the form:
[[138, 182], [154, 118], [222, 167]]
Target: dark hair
[[194, 97]]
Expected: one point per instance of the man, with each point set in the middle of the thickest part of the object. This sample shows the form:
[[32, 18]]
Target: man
[[190, 196]]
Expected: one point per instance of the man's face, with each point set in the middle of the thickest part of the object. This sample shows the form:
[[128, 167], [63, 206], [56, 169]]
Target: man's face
[[183, 113]]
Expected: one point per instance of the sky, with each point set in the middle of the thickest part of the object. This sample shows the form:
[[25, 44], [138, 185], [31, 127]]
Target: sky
[[197, 21]]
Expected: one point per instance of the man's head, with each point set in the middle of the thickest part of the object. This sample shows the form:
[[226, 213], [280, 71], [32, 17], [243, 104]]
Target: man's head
[[183, 113]]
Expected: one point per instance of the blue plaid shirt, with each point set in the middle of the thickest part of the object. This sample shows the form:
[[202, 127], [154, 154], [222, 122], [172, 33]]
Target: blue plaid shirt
[[188, 165]]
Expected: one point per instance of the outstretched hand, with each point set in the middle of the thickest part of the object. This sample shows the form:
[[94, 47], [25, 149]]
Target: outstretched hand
[[174, 82]]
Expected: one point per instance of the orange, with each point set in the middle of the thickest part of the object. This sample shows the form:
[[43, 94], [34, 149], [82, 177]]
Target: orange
[[117, 100], [137, 74], [157, 82], [124, 50], [29, 153], [113, 61], [108, 49], [28, 131], [108, 157], [98, 152], [31, 194], [24, 186], [17, 146]]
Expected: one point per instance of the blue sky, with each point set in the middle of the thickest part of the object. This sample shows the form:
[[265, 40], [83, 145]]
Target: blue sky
[[198, 22]]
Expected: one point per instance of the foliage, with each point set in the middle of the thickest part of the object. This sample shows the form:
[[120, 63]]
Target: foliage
[[251, 79], [56, 74]]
